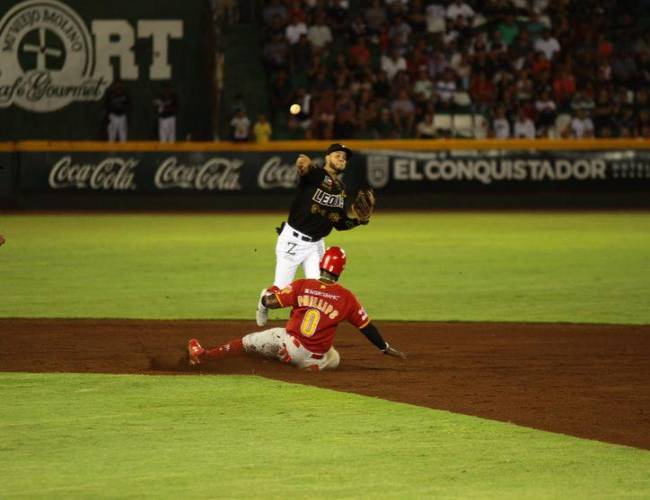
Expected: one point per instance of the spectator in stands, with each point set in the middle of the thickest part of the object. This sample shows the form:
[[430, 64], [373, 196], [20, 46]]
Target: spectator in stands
[[548, 44], [240, 126], [644, 69], [338, 16], [438, 64], [546, 113], [624, 70], [509, 29], [345, 121], [324, 115], [393, 63], [436, 18], [500, 124], [463, 70], [564, 86], [320, 81], [319, 34], [423, 83], [297, 10], [426, 129], [402, 111], [276, 53], [262, 130], [385, 126], [643, 123], [459, 8], [603, 112], [415, 60], [375, 17], [525, 87], [381, 87], [581, 100], [581, 125], [416, 16], [482, 90], [446, 89], [367, 115], [359, 53], [524, 127], [357, 28], [275, 9], [399, 33], [534, 26], [295, 29]]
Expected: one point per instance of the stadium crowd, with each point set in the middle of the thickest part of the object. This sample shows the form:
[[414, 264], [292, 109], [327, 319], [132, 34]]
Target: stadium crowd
[[425, 69]]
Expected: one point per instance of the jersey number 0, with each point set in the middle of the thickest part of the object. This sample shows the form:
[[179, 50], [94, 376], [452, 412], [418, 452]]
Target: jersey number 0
[[310, 322]]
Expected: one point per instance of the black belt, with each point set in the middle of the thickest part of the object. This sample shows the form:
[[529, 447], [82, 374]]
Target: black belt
[[303, 238]]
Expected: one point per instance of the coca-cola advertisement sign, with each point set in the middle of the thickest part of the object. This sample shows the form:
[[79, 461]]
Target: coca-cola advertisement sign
[[154, 172], [109, 174], [212, 174]]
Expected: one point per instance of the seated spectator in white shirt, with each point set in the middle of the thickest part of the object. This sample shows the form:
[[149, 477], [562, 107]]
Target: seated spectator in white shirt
[[425, 129], [581, 125], [294, 29], [319, 34], [459, 8], [524, 126], [500, 124], [435, 18], [548, 45], [422, 83], [393, 63]]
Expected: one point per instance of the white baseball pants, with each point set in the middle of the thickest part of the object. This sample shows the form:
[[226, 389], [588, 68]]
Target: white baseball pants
[[292, 249], [116, 128], [277, 343], [167, 129]]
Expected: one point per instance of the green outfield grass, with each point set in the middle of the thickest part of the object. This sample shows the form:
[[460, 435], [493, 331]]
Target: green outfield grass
[[574, 267], [109, 436]]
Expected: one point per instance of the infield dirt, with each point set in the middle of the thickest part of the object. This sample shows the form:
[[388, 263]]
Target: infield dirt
[[590, 381]]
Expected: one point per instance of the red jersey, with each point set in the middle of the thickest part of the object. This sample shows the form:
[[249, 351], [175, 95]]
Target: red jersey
[[318, 308]]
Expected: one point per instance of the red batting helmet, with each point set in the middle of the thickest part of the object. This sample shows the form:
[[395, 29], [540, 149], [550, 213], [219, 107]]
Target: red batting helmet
[[333, 260]]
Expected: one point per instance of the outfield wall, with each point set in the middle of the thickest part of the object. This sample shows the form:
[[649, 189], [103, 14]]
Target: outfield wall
[[406, 174]]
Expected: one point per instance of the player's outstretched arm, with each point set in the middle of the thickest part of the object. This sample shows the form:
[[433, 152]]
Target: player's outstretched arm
[[373, 335]]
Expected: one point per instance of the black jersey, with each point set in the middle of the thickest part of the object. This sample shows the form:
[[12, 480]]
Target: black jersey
[[320, 205]]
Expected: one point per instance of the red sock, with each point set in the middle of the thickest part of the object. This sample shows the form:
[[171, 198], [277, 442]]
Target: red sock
[[231, 348]]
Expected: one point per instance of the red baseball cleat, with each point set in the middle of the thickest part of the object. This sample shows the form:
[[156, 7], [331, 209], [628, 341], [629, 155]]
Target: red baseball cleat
[[194, 352]]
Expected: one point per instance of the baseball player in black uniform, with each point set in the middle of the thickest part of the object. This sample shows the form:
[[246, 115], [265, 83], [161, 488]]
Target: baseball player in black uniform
[[166, 106], [320, 205], [118, 106]]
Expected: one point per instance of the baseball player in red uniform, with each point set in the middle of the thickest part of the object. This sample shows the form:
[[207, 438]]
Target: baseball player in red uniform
[[320, 205], [318, 306]]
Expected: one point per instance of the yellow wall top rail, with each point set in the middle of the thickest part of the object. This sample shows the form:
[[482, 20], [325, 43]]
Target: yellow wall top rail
[[320, 146]]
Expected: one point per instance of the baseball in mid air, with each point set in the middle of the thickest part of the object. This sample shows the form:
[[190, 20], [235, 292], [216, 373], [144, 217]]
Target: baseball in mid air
[[294, 109]]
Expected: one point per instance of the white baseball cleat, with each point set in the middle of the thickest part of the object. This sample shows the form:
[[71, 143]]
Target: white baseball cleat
[[262, 313]]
